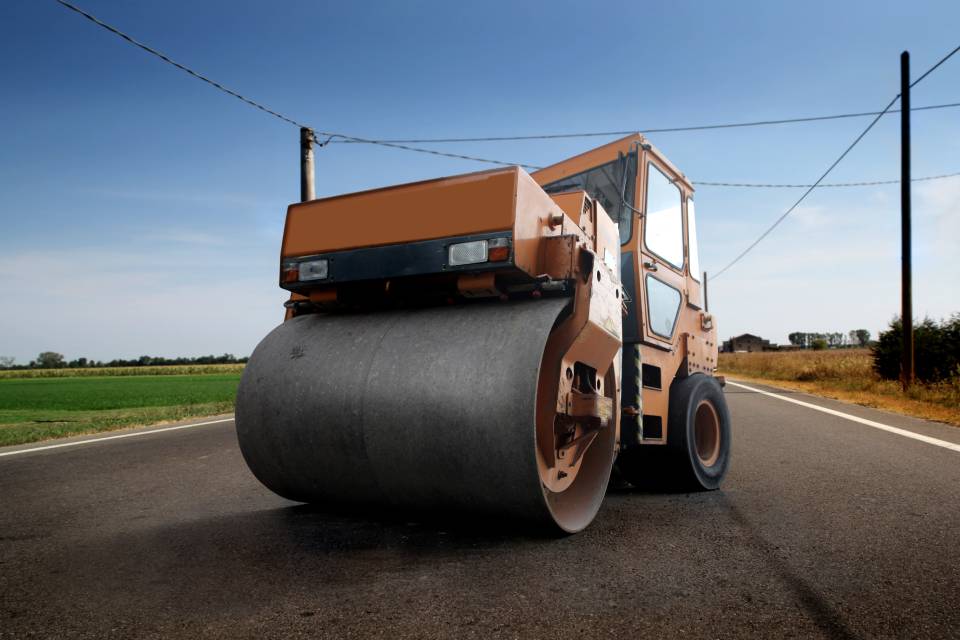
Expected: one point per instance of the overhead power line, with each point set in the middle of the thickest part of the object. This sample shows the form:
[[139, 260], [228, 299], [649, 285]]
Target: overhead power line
[[626, 132], [330, 137], [930, 70], [829, 169], [809, 190], [404, 144], [166, 59], [261, 107], [822, 185]]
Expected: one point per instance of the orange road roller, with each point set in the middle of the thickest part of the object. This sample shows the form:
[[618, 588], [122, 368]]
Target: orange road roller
[[495, 342]]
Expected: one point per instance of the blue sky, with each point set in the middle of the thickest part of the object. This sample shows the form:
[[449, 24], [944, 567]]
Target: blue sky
[[141, 209]]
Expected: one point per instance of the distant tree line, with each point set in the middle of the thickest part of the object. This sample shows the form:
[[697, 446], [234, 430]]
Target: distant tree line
[[853, 338], [54, 360], [936, 350]]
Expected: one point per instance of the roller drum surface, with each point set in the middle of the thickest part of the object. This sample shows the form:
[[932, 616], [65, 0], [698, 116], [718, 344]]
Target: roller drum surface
[[427, 409]]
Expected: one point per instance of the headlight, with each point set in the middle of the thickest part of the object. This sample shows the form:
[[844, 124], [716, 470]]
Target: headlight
[[462, 253], [314, 270]]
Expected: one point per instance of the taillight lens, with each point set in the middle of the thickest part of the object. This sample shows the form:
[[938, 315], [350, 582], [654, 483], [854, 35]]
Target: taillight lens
[[498, 249], [289, 272]]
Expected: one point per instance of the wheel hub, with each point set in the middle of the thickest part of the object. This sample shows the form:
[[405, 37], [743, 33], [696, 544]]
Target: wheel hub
[[707, 433]]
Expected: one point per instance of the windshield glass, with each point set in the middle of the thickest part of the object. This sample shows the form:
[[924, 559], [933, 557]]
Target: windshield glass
[[604, 184], [663, 225]]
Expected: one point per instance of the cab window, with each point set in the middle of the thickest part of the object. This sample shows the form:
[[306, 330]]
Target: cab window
[[610, 184], [663, 307], [663, 220]]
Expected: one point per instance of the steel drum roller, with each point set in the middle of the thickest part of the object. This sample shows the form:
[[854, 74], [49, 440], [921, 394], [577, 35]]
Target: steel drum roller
[[421, 409]]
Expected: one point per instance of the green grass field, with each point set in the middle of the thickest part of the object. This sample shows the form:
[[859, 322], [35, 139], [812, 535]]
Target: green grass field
[[99, 372], [34, 409]]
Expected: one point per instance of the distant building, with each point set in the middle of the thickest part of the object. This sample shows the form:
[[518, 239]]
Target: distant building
[[747, 342]]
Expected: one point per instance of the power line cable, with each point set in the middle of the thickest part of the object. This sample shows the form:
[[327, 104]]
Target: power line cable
[[930, 70], [168, 60], [830, 168], [261, 107], [331, 138], [807, 192], [822, 185], [403, 144], [594, 134]]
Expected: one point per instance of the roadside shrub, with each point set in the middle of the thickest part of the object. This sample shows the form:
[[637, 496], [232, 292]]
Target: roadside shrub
[[936, 350]]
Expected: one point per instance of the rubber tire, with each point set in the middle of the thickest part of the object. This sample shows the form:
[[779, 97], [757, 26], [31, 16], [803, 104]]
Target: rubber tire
[[676, 466], [685, 396]]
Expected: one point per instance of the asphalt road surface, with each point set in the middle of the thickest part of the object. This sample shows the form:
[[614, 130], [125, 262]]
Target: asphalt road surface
[[825, 527]]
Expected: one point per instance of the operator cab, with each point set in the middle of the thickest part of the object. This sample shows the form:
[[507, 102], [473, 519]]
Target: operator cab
[[652, 203]]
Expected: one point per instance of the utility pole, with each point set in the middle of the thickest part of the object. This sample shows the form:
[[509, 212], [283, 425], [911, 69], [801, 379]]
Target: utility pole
[[307, 187], [906, 287]]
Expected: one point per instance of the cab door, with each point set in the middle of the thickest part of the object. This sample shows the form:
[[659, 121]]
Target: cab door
[[661, 255], [660, 274]]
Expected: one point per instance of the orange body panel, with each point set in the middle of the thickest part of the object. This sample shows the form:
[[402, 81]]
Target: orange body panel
[[590, 335], [472, 203], [498, 200]]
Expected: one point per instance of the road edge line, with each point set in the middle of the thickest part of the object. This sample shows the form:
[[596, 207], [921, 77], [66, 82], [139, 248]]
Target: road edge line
[[134, 434], [870, 423]]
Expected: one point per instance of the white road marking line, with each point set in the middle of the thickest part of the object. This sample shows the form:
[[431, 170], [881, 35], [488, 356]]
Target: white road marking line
[[870, 423], [117, 437]]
